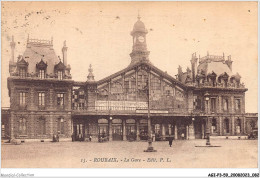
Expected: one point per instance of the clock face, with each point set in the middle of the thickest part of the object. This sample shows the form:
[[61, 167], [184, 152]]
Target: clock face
[[141, 39]]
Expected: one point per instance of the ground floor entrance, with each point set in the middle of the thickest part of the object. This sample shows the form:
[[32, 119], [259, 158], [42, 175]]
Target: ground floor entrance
[[122, 128], [131, 128]]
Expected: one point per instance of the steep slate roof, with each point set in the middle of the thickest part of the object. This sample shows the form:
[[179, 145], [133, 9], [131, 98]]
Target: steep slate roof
[[153, 68], [35, 51], [218, 68]]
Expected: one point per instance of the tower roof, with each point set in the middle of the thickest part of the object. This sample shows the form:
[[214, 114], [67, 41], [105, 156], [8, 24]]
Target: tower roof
[[139, 26]]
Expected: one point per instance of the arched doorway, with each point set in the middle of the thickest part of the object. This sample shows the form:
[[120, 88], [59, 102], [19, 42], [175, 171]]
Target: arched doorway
[[143, 129], [130, 129], [103, 128], [117, 131]]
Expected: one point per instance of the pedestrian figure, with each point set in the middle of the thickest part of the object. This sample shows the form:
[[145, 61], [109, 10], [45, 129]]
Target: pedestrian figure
[[80, 137], [90, 137], [170, 142], [58, 137], [182, 136]]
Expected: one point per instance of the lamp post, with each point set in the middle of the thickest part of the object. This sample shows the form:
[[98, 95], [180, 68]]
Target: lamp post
[[207, 129], [150, 146]]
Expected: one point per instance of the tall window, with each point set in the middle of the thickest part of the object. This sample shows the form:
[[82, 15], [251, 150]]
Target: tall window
[[238, 126], [41, 99], [226, 125], [41, 74], [60, 75], [22, 72], [22, 98], [60, 126], [213, 104], [60, 99], [237, 104], [225, 105], [41, 126], [197, 102], [214, 125], [22, 126]]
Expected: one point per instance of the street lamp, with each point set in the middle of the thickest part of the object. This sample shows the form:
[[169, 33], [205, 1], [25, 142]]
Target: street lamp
[[207, 129], [150, 146]]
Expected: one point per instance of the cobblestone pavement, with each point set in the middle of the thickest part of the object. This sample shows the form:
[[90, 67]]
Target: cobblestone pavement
[[123, 154]]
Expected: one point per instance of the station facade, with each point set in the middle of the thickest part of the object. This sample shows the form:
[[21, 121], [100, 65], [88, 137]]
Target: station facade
[[45, 100]]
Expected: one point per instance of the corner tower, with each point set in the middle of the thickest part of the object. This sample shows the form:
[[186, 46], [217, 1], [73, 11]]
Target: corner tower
[[139, 51]]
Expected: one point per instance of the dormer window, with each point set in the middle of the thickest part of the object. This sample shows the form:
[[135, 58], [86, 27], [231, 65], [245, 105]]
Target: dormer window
[[22, 66], [60, 75], [22, 72], [59, 70], [41, 69], [41, 74]]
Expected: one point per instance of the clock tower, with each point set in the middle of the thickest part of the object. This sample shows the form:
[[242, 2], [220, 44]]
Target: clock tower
[[139, 51]]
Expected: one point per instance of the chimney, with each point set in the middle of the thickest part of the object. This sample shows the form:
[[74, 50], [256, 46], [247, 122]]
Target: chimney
[[179, 73], [229, 62], [194, 61], [12, 44], [64, 52]]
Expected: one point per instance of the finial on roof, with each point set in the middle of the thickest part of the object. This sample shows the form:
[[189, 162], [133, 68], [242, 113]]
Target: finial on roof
[[59, 58], [139, 17], [90, 74], [223, 55]]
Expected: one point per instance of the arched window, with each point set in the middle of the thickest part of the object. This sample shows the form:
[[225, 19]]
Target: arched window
[[22, 126], [157, 129], [226, 125], [214, 125], [41, 126], [238, 126], [60, 127]]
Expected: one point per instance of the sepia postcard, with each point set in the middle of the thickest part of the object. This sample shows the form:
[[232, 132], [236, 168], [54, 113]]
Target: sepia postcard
[[130, 85]]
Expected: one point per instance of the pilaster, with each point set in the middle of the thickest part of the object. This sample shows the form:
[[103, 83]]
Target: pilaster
[[220, 126], [137, 130], [232, 125], [191, 131], [124, 130], [175, 132], [163, 131], [110, 129], [202, 130]]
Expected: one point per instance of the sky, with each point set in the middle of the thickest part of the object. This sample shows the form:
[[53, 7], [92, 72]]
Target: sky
[[98, 33]]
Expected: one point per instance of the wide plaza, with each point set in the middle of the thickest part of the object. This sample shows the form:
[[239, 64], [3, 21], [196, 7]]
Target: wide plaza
[[118, 154]]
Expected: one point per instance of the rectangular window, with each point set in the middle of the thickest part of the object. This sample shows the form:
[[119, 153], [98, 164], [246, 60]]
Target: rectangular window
[[61, 126], [42, 74], [22, 98], [60, 75], [225, 105], [213, 104], [41, 99], [22, 72], [60, 99], [197, 103], [237, 104]]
